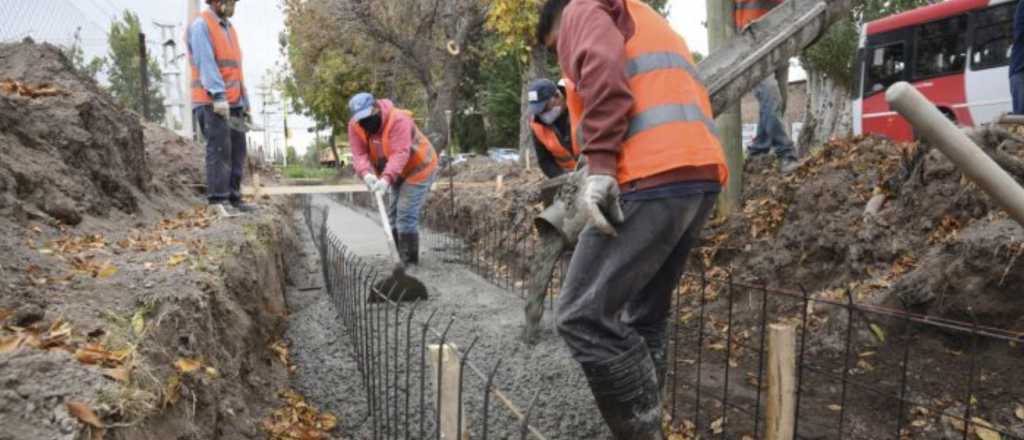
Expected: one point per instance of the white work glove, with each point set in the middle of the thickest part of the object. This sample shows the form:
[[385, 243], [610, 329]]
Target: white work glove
[[222, 108], [601, 201], [370, 180], [382, 186]]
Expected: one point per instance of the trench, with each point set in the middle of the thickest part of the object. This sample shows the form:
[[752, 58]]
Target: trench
[[539, 383]]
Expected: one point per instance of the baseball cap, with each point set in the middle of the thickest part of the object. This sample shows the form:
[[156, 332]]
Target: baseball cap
[[538, 93], [361, 106]]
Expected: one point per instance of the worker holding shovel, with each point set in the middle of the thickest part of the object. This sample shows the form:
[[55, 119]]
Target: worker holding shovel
[[655, 168], [219, 103], [393, 157]]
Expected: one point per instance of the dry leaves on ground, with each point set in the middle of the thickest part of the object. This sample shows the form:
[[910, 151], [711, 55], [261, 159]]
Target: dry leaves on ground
[[84, 413], [297, 420], [12, 87]]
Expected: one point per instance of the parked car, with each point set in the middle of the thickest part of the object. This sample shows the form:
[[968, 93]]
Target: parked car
[[503, 154]]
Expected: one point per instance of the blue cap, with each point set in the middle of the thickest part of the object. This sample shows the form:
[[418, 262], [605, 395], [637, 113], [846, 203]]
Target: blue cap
[[538, 93], [361, 106]]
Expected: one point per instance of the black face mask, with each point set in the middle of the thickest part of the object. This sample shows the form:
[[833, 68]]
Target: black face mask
[[371, 123]]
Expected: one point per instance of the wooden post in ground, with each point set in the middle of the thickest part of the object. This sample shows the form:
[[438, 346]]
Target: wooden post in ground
[[447, 395], [499, 185], [721, 29], [781, 395]]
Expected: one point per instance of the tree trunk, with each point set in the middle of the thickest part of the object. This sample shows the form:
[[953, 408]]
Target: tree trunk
[[829, 112], [332, 141], [730, 128], [441, 99], [537, 69]]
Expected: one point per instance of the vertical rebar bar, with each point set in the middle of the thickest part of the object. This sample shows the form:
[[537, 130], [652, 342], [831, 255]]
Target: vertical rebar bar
[[676, 303], [462, 370], [903, 372], [728, 358], [969, 401], [700, 345], [487, 398], [846, 360], [440, 370], [760, 359], [800, 359], [408, 363], [423, 374]]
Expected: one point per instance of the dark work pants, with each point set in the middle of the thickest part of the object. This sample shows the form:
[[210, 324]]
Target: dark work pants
[[618, 290], [225, 164]]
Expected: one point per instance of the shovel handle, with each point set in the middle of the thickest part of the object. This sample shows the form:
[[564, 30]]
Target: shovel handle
[[392, 248]]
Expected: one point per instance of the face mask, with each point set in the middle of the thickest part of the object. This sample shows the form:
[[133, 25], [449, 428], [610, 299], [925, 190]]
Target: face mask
[[549, 117], [227, 8], [371, 123]]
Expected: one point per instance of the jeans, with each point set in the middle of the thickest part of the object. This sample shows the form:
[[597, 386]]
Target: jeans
[[618, 291], [406, 201], [771, 133], [225, 161], [1017, 92]]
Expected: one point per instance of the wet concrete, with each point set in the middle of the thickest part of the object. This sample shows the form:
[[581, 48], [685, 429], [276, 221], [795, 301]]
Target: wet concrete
[[565, 408]]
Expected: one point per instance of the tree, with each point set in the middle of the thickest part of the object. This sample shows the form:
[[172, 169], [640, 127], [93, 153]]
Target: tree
[[76, 56], [830, 71], [123, 69]]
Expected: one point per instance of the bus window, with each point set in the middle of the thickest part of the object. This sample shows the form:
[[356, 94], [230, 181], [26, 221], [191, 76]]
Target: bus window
[[885, 66], [993, 37], [941, 47]]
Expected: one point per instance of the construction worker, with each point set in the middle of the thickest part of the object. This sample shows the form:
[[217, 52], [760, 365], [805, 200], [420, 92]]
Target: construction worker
[[770, 95], [655, 168], [219, 96], [393, 158], [549, 121], [1017, 61]]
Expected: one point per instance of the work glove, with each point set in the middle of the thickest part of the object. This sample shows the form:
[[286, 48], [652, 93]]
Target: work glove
[[382, 186], [222, 108], [601, 201], [371, 181]]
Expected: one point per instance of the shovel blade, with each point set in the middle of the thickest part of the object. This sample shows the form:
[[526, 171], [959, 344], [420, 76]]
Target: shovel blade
[[398, 287]]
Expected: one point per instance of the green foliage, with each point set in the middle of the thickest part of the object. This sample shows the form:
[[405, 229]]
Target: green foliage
[[834, 54], [503, 79], [123, 69], [76, 56], [303, 171], [291, 155]]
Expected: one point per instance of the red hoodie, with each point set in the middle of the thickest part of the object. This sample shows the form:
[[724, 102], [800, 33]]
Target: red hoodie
[[400, 143]]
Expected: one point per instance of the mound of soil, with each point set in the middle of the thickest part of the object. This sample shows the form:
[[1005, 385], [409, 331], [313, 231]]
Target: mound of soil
[[66, 148]]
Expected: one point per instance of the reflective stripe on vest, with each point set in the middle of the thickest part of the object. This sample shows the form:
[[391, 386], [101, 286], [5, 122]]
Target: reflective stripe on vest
[[747, 11], [228, 55], [422, 157], [670, 123], [547, 137]]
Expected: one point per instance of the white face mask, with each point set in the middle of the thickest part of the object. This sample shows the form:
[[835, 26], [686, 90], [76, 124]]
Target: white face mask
[[549, 117]]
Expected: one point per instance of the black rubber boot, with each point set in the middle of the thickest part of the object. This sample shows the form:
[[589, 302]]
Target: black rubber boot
[[410, 249], [626, 392]]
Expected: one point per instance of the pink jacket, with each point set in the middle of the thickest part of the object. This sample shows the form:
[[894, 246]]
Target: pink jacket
[[400, 141]]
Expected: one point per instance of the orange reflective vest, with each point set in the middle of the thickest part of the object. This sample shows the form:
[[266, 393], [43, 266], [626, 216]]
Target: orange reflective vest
[[547, 137], [671, 124], [228, 54], [749, 10], [422, 158]]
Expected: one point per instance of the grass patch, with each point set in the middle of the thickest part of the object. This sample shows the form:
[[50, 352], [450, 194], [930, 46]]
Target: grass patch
[[304, 172]]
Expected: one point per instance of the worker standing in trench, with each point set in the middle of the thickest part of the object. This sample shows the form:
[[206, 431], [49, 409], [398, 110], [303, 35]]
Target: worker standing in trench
[[218, 96], [393, 158], [655, 168], [770, 95], [549, 121]]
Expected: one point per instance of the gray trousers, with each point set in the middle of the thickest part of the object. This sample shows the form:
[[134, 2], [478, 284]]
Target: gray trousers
[[619, 290]]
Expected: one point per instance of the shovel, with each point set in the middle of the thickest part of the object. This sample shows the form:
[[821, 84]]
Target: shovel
[[399, 286]]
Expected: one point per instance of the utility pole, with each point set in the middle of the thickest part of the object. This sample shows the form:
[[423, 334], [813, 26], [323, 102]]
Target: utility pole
[[721, 28], [176, 117], [192, 12], [144, 74], [266, 94]]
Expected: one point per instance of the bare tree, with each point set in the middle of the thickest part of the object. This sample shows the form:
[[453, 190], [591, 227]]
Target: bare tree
[[430, 38]]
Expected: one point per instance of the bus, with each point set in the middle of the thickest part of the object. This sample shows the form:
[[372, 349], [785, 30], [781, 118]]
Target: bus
[[956, 53]]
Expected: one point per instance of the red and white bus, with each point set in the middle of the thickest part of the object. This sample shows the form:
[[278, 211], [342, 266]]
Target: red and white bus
[[956, 53]]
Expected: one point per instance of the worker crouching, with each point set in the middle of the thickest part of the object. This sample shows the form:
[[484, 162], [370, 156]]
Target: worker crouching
[[393, 158], [654, 169]]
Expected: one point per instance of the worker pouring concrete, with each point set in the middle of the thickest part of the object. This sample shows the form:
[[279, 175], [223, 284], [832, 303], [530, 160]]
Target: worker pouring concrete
[[770, 95], [549, 121], [393, 158], [655, 168], [219, 95]]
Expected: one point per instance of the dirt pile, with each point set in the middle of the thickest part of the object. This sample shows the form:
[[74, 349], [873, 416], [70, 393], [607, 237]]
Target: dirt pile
[[66, 148], [485, 169]]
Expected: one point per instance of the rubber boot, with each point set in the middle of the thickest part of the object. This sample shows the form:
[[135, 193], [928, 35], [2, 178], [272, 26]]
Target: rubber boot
[[626, 392], [657, 346], [410, 249]]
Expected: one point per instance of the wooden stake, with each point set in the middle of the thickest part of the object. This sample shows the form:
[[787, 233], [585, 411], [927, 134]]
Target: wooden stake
[[449, 391], [499, 185], [781, 394]]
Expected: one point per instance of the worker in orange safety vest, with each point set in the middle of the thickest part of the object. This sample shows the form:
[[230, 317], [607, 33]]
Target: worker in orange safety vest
[[549, 122], [643, 121], [218, 96]]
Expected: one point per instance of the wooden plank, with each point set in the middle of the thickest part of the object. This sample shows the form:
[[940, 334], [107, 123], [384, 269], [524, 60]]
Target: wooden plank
[[446, 397], [781, 395], [287, 190]]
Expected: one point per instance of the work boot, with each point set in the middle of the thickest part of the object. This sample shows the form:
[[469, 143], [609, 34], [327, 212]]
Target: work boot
[[410, 249], [243, 207], [657, 346], [788, 165], [626, 391]]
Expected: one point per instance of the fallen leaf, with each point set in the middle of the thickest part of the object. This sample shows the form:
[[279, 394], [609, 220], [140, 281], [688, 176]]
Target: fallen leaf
[[138, 323], [176, 260], [83, 413], [1019, 412], [983, 429], [328, 421], [879, 333], [171, 395], [11, 343], [716, 426], [118, 374], [5, 313], [212, 372], [835, 407], [106, 272], [186, 365]]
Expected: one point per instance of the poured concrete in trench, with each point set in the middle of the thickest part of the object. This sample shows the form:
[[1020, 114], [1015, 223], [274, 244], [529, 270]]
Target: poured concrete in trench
[[327, 375]]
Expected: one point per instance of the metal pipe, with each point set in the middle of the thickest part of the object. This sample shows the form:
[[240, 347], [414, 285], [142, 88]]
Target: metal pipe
[[967, 156]]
